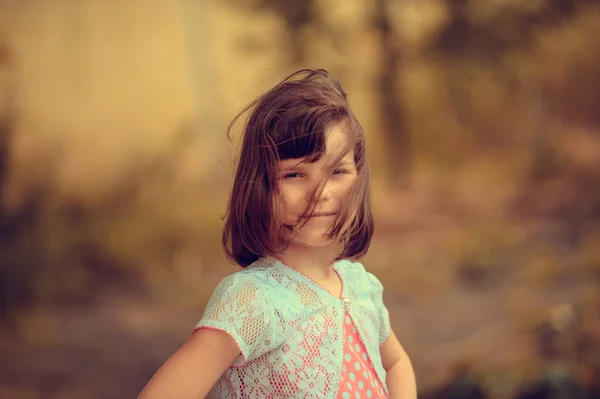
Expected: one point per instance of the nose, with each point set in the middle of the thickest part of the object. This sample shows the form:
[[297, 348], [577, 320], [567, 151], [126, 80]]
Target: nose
[[327, 192]]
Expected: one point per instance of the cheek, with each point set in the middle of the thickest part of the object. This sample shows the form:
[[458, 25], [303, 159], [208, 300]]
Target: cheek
[[351, 182], [291, 198], [287, 208], [345, 185]]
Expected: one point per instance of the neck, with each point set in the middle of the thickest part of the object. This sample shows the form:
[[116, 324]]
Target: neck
[[314, 262]]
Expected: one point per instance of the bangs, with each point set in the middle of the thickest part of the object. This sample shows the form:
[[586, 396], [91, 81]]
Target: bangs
[[295, 138], [300, 144]]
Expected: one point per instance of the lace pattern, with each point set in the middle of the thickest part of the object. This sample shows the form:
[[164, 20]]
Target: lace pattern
[[290, 330]]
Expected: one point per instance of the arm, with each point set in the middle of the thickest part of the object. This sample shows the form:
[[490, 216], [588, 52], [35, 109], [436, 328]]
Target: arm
[[400, 378], [194, 368]]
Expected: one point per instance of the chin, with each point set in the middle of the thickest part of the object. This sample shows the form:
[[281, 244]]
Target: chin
[[313, 240]]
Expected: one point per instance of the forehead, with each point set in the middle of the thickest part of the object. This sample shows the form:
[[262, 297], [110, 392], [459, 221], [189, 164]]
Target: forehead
[[337, 139], [338, 146]]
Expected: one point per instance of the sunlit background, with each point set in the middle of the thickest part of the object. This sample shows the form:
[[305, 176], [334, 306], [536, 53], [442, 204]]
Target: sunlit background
[[484, 138]]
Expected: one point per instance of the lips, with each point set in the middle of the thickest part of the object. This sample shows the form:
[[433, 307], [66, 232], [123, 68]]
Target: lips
[[320, 214]]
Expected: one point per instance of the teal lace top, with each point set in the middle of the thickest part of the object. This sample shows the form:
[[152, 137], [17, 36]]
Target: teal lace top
[[290, 330]]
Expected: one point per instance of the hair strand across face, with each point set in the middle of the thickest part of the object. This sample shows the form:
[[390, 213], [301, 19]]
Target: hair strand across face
[[290, 121]]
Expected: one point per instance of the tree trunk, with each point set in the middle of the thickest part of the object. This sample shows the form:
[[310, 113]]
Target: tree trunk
[[390, 100], [541, 157]]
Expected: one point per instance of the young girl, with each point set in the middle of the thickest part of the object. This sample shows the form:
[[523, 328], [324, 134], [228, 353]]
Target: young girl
[[303, 319]]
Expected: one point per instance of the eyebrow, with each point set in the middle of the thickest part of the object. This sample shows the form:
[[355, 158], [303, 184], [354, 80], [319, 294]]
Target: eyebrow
[[342, 163], [295, 165], [307, 159], [291, 167]]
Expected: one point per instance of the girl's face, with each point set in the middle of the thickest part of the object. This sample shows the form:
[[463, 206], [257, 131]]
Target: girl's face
[[297, 179]]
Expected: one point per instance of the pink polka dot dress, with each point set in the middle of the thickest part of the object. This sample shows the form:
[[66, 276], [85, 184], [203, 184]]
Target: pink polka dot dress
[[359, 379]]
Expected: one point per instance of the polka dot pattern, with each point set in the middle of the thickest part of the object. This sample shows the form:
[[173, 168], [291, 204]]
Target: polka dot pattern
[[359, 379]]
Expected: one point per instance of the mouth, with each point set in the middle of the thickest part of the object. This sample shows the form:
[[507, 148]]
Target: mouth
[[320, 215]]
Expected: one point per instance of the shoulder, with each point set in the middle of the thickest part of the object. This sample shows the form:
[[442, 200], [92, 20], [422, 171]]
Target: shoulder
[[260, 277], [355, 273], [351, 267], [239, 295], [266, 284]]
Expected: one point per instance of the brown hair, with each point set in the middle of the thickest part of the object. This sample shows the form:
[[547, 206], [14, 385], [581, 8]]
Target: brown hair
[[289, 122]]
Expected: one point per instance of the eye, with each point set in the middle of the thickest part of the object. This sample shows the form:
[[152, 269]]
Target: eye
[[340, 171], [292, 175]]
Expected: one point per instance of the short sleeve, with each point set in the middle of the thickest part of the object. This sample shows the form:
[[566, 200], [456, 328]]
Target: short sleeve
[[242, 309], [385, 329]]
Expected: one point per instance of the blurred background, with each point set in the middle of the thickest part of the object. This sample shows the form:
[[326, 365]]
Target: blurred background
[[484, 139]]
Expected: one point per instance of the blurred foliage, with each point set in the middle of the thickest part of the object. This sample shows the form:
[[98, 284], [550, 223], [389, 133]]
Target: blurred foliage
[[60, 251], [487, 54], [488, 127]]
